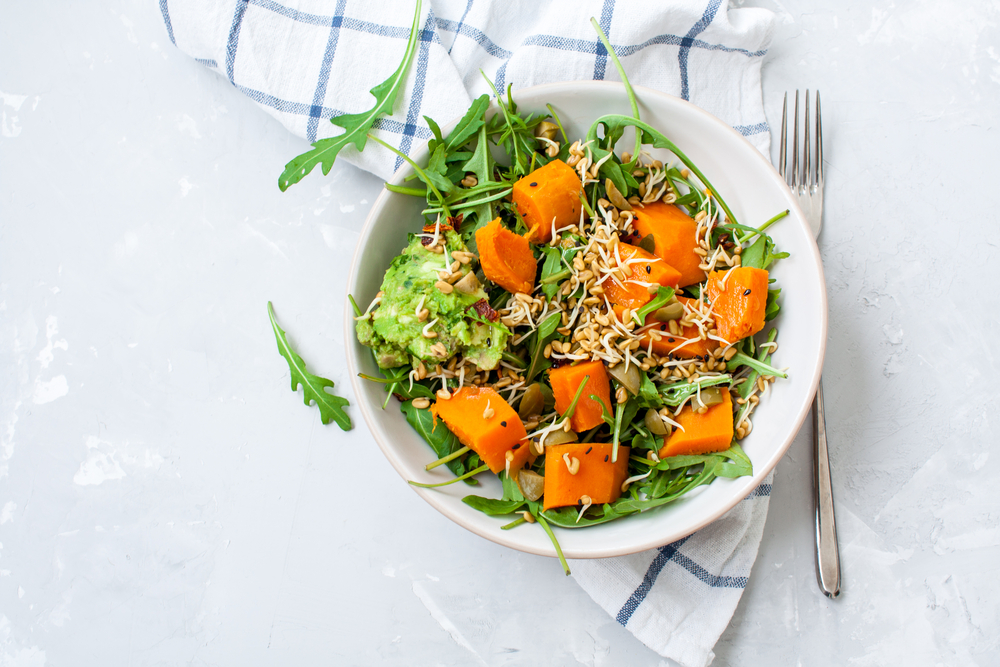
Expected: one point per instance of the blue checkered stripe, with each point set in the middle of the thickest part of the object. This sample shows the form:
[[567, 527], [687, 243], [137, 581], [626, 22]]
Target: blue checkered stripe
[[411, 128], [673, 553]]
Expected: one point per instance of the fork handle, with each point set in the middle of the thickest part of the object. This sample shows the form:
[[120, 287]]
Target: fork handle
[[827, 551]]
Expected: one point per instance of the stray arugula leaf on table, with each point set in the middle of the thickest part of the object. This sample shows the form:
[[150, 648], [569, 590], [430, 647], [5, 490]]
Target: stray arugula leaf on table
[[314, 387]]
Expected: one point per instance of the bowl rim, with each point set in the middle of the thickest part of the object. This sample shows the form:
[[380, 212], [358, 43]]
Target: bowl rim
[[440, 502]]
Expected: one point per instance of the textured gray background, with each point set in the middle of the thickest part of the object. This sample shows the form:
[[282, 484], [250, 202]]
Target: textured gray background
[[165, 499]]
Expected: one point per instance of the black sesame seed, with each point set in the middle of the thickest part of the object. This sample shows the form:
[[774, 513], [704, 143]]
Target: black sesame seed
[[489, 342], [605, 458], [588, 450], [579, 502], [516, 447], [534, 184], [747, 293], [649, 269], [670, 340], [504, 424]]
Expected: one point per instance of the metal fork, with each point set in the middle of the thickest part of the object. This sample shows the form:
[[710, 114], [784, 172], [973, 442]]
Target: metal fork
[[806, 182]]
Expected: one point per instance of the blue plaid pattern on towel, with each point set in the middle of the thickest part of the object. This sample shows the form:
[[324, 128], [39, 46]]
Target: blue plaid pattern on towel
[[304, 61]]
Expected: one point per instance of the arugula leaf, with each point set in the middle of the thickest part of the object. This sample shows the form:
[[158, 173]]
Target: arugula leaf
[[663, 295], [677, 393], [356, 125], [481, 164], [331, 406], [761, 253], [437, 435], [543, 335], [772, 308], [470, 123], [492, 507], [740, 466], [648, 393], [551, 267]]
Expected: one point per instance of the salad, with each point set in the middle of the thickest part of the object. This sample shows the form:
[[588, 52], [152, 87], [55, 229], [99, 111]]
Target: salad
[[585, 321], [586, 324]]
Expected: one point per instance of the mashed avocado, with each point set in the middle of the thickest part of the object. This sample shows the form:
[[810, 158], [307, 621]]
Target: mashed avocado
[[394, 331]]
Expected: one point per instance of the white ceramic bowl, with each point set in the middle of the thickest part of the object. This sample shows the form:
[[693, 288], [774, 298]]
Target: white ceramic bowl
[[754, 192]]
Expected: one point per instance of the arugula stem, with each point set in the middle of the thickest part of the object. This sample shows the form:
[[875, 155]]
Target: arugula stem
[[761, 229], [399, 189], [556, 277], [628, 86], [458, 453], [513, 524], [354, 304], [470, 204], [586, 205], [555, 542], [579, 390], [513, 359], [555, 117], [506, 116], [471, 473], [421, 172], [372, 378], [619, 413]]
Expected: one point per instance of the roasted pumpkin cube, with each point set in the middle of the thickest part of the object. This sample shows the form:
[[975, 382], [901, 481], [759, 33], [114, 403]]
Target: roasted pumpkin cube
[[468, 414], [674, 238], [633, 291], [565, 382], [702, 433], [596, 475], [548, 195]]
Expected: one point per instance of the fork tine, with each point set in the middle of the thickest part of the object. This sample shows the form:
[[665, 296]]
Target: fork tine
[[819, 143], [807, 174], [782, 152], [795, 144]]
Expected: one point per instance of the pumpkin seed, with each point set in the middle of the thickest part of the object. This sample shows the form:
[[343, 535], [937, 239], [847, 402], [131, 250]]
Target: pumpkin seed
[[532, 484], [655, 423]]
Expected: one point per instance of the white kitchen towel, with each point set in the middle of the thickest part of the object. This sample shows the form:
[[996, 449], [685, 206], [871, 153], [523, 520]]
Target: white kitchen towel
[[305, 61]]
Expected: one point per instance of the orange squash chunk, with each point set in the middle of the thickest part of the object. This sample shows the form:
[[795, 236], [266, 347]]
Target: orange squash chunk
[[548, 193], [702, 434], [490, 438], [565, 381], [596, 477], [671, 344], [739, 302], [630, 294], [673, 237], [506, 258]]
